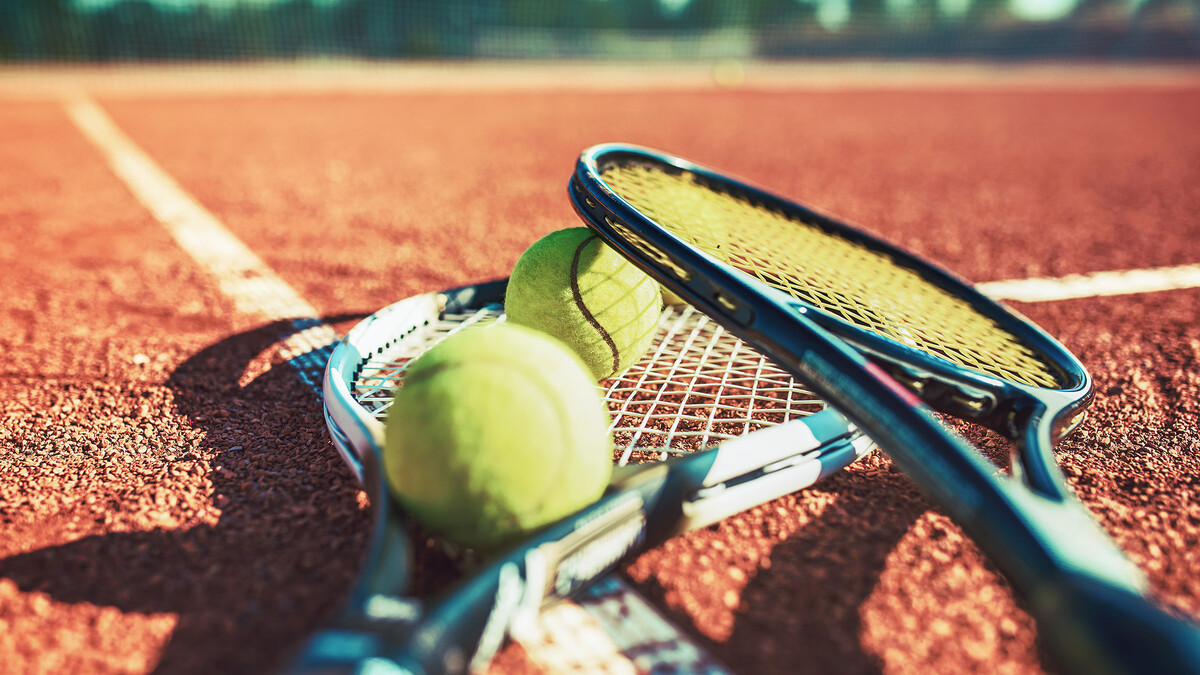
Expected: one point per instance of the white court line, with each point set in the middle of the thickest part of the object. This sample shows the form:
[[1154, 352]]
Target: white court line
[[256, 290], [242, 276], [1124, 282]]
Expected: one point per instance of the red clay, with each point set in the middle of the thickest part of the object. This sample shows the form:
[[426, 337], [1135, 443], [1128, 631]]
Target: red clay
[[168, 503]]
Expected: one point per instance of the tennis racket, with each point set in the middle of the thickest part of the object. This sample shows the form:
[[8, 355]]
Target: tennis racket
[[784, 278], [705, 428]]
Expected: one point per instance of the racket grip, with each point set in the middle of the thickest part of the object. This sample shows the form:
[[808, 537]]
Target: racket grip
[[1088, 626]]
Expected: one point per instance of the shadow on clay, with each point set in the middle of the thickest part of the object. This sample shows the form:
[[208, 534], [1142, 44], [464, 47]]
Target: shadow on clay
[[247, 589]]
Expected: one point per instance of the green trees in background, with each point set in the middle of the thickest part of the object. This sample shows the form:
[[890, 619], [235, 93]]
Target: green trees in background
[[144, 30]]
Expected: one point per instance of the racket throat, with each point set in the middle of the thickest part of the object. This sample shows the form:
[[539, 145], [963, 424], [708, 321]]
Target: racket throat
[[1073, 543], [1032, 429]]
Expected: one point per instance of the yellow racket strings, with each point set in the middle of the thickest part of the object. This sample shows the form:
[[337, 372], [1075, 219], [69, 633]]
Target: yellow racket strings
[[864, 287]]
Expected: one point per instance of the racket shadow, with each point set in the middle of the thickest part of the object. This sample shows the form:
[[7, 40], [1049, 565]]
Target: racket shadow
[[827, 571], [800, 605], [878, 546], [284, 549], [805, 600]]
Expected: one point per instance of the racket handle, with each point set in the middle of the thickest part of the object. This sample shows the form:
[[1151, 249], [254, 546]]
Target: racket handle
[[1095, 628]]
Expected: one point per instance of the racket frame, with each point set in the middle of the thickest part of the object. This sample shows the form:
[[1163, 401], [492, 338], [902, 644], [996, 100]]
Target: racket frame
[[963, 392], [1089, 599], [643, 506]]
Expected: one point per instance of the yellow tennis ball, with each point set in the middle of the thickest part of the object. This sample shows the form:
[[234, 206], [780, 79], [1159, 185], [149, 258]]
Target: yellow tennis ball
[[496, 432], [571, 285]]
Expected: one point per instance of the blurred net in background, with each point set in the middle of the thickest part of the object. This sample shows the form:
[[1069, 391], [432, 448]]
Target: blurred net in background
[[222, 30]]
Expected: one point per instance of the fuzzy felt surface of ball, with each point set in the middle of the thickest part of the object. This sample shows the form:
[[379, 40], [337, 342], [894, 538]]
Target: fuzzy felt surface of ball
[[496, 431], [573, 286]]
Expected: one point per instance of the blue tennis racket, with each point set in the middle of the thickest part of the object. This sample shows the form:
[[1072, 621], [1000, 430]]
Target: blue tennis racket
[[799, 286]]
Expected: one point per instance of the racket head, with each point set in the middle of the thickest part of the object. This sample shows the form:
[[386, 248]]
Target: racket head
[[696, 387], [672, 215], [1085, 595], [699, 387]]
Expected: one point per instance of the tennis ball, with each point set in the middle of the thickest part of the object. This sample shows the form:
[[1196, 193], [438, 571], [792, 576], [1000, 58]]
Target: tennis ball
[[496, 432], [571, 285]]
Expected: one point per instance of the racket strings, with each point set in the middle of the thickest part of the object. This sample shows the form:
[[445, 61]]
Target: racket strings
[[861, 286], [381, 373], [697, 386]]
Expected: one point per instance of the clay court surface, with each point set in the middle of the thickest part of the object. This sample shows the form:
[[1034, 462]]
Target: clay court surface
[[169, 498]]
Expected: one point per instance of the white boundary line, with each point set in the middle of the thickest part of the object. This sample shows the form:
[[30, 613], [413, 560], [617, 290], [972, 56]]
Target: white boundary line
[[256, 290], [1124, 282], [242, 276], [318, 77]]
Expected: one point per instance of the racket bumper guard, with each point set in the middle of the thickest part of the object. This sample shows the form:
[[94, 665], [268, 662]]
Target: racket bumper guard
[[662, 264]]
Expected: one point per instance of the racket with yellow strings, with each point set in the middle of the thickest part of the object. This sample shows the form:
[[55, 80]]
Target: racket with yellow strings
[[789, 280]]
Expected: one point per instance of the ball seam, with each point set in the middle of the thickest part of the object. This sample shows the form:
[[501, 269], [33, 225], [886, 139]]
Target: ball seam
[[577, 294]]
